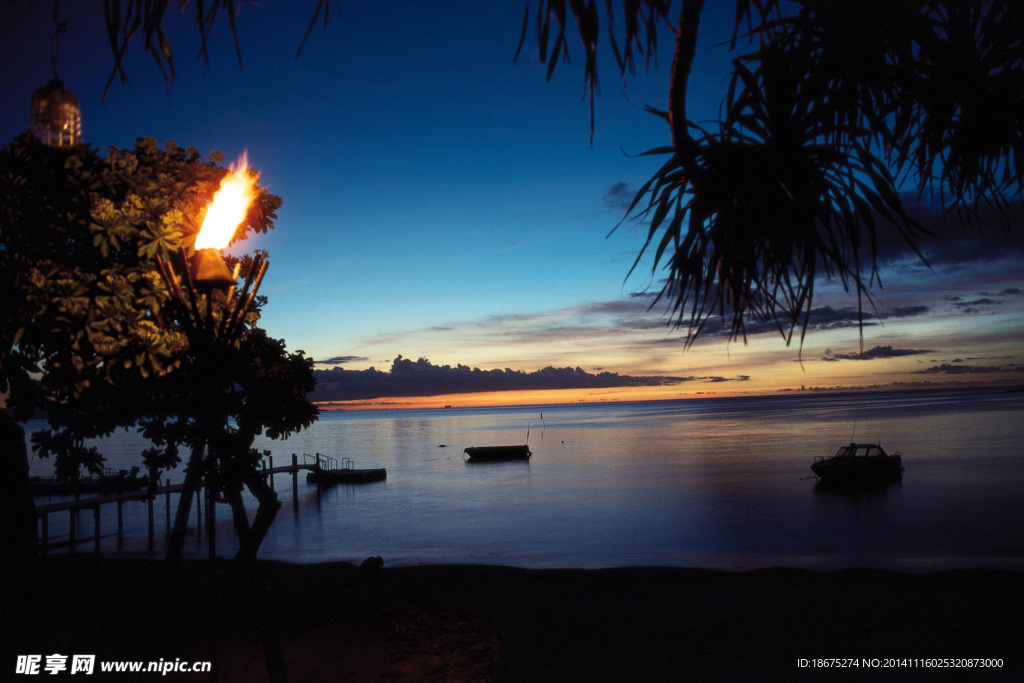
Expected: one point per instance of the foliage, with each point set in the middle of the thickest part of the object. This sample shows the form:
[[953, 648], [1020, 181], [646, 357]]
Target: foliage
[[143, 19], [88, 328], [838, 108]]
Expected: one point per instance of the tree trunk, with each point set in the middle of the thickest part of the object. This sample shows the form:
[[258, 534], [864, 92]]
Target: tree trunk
[[19, 539], [238, 514], [192, 480], [265, 514], [682, 63]]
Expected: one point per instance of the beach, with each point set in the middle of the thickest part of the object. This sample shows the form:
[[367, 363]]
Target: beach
[[338, 621]]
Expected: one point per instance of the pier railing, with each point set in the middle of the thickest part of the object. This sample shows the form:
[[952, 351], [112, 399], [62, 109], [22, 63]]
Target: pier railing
[[150, 494], [321, 461]]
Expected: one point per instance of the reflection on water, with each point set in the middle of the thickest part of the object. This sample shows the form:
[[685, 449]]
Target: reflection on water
[[719, 483], [867, 490]]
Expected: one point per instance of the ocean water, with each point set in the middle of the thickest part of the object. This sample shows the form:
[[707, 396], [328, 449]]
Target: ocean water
[[719, 483]]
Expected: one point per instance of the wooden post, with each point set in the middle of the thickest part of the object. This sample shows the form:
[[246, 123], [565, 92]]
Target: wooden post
[[199, 516], [120, 524], [149, 511], [295, 481], [96, 525], [46, 532], [211, 522], [167, 505], [271, 475], [71, 529]]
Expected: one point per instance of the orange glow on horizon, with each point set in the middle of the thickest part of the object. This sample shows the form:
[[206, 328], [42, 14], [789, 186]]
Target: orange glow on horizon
[[550, 397], [529, 398], [228, 208]]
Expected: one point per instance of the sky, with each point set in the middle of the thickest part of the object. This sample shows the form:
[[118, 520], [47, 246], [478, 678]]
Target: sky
[[444, 202]]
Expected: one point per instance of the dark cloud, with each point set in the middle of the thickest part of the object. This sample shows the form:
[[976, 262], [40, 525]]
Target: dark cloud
[[960, 369], [826, 317], [978, 239], [984, 301], [340, 360], [874, 353], [909, 311], [619, 196], [821, 318], [423, 378]]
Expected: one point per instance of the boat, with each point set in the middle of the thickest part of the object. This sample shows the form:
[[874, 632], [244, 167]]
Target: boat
[[497, 453], [859, 462]]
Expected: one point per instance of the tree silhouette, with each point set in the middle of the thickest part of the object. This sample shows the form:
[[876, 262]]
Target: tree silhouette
[[90, 332], [836, 110], [143, 20]]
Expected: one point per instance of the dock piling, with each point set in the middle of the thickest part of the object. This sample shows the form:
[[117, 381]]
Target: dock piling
[[321, 463], [149, 520], [295, 480], [96, 527], [211, 521]]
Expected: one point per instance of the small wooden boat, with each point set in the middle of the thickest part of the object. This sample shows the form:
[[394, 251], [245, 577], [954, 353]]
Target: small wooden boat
[[497, 453], [859, 463]]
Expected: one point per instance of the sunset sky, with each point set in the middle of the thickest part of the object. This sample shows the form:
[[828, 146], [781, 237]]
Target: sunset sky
[[444, 202]]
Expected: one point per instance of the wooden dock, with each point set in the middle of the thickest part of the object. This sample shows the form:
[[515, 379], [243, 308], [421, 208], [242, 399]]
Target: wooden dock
[[321, 469]]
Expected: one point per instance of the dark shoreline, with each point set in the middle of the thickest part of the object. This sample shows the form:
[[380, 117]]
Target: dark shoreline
[[335, 621]]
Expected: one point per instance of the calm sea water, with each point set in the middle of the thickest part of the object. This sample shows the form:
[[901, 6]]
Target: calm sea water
[[721, 483]]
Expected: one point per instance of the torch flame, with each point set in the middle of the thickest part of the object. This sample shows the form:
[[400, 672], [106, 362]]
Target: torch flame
[[229, 206]]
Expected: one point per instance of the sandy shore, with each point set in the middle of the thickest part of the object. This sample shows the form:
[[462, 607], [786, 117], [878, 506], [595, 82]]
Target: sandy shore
[[479, 623]]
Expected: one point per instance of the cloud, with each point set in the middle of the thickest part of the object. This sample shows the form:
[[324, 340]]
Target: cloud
[[340, 360], [828, 318], [984, 301], [873, 354], [619, 196], [958, 368], [423, 378], [821, 318], [909, 311], [980, 239]]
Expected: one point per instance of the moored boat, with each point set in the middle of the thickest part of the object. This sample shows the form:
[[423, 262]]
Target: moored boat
[[497, 453], [859, 463]]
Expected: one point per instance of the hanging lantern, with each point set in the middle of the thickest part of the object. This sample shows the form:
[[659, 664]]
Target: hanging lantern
[[55, 117]]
